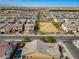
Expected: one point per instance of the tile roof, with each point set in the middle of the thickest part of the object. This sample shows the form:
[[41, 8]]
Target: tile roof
[[39, 46], [2, 25], [3, 46], [69, 25]]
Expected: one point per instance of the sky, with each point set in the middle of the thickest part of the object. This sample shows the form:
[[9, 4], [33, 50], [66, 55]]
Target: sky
[[40, 3]]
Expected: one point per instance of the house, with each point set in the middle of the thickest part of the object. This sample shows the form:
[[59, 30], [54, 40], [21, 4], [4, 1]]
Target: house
[[10, 20], [68, 27], [29, 25], [2, 20], [40, 50], [11, 48], [77, 31], [3, 46], [1, 27], [6, 49], [29, 28], [59, 20], [30, 21], [8, 28], [76, 43], [11, 28], [69, 20], [21, 20], [75, 21], [18, 27]]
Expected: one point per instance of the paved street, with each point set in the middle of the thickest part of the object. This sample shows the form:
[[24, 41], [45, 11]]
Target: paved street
[[20, 36], [73, 49]]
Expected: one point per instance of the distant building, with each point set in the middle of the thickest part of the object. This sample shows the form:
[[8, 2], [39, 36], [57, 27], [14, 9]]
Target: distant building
[[59, 20], [11, 28], [30, 21], [29, 25], [8, 28], [68, 27], [2, 26], [69, 20], [21, 21], [10, 20], [75, 21], [18, 27], [2, 20], [29, 28]]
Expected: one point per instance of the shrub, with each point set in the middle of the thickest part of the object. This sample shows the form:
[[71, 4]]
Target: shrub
[[26, 39], [50, 39]]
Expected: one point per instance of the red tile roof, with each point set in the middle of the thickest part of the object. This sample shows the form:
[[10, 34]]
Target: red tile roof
[[14, 26]]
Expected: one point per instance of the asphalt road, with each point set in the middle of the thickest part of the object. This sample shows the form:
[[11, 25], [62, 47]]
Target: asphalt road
[[20, 37], [73, 49]]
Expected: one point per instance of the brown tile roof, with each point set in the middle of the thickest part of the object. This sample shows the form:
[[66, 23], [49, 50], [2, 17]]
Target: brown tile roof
[[3, 46]]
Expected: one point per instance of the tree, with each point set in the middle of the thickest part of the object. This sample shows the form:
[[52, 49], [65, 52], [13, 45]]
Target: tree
[[43, 39], [26, 39], [67, 57], [38, 16], [36, 28], [51, 39]]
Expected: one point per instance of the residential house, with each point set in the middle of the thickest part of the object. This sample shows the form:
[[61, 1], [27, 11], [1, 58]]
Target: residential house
[[3, 47], [8, 28], [58, 19], [29, 28], [40, 50], [1, 27], [11, 48], [18, 27], [21, 20], [2, 20], [75, 21], [68, 27], [77, 31], [6, 49], [76, 43], [10, 20]]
